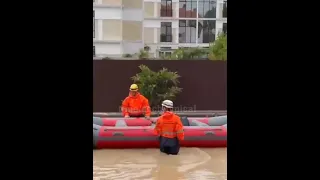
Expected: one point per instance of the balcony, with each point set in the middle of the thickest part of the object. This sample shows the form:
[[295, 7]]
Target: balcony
[[166, 13]]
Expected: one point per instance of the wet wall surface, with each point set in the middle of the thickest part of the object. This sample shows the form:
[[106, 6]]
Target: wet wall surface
[[204, 83]]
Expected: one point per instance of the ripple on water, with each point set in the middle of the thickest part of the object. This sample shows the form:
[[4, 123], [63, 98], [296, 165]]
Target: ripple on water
[[191, 164], [205, 175], [121, 174]]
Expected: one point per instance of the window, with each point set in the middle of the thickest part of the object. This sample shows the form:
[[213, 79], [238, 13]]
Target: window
[[206, 9], [187, 31], [94, 51], [188, 9], [166, 8], [166, 32], [164, 54], [224, 28], [207, 31], [93, 26], [224, 11]]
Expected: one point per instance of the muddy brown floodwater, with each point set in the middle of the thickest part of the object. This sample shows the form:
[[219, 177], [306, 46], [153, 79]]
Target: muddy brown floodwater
[[150, 164]]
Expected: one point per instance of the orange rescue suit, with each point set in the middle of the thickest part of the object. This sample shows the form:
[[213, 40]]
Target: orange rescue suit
[[169, 125], [135, 105]]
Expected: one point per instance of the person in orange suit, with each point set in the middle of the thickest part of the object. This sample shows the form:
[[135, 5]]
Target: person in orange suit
[[135, 105], [169, 129]]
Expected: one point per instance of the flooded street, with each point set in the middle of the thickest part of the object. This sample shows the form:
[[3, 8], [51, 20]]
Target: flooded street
[[150, 164]]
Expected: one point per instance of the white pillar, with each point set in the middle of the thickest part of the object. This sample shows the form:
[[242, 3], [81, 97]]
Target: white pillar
[[219, 9], [197, 21], [155, 8]]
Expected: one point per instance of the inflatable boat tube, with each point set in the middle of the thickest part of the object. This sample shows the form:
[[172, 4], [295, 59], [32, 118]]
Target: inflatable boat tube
[[197, 123], [121, 122], [143, 137], [212, 121], [156, 114], [96, 130]]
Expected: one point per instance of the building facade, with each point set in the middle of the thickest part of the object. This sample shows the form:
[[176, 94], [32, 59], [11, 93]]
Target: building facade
[[125, 26]]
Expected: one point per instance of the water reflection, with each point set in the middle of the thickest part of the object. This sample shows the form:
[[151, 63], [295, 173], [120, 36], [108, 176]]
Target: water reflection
[[192, 163]]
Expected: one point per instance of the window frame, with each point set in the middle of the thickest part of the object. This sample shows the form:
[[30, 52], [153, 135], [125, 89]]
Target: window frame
[[190, 5], [94, 25], [224, 9], [225, 28], [168, 11], [186, 24], [168, 32]]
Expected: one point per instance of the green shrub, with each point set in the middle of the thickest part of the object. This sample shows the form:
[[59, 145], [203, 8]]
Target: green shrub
[[218, 49], [157, 86], [188, 53]]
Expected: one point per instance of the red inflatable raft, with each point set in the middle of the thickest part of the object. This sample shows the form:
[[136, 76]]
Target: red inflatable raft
[[143, 137], [211, 121]]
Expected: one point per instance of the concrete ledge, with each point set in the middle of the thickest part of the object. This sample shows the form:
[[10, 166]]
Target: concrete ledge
[[106, 6]]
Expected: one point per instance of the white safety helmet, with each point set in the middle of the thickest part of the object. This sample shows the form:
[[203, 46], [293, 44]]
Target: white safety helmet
[[167, 104]]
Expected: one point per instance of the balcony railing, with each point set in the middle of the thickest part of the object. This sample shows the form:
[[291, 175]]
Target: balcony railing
[[166, 12]]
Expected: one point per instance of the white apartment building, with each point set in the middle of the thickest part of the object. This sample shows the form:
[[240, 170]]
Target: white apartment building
[[125, 26]]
